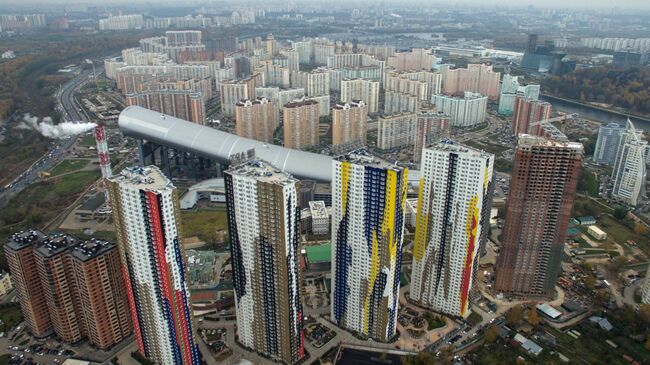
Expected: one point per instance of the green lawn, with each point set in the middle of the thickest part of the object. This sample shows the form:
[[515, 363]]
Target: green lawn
[[403, 280], [503, 165], [75, 183], [42, 201], [493, 148], [474, 318], [621, 233], [589, 348], [433, 321], [203, 223], [69, 165], [88, 140], [4, 359]]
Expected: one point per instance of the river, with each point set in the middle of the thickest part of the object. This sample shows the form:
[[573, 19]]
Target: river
[[595, 114]]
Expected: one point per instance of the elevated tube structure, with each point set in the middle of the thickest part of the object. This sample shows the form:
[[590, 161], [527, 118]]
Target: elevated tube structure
[[165, 130]]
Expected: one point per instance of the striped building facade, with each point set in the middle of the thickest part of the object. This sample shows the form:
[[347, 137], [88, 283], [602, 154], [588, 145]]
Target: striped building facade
[[264, 225], [451, 226], [368, 202], [145, 206]]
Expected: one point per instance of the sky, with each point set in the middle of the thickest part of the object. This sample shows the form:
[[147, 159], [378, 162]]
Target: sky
[[603, 4]]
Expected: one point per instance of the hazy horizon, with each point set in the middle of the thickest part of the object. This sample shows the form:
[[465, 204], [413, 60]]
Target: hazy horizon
[[559, 4]]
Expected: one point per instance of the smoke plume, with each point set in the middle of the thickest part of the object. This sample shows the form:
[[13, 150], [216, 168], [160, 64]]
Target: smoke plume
[[57, 131]]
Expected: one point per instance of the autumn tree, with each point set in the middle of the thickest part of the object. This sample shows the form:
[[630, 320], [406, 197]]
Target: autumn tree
[[491, 334], [515, 314], [640, 229], [533, 317], [617, 264], [644, 312]]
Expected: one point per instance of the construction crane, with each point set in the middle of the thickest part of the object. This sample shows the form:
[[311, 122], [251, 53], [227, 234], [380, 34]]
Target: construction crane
[[562, 118]]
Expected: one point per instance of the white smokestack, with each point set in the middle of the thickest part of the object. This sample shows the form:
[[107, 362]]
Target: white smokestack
[[57, 131]]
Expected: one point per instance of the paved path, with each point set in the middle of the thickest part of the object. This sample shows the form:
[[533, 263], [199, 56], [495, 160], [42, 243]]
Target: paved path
[[628, 292]]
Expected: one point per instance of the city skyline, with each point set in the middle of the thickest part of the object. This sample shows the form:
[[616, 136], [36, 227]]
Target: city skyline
[[381, 182]]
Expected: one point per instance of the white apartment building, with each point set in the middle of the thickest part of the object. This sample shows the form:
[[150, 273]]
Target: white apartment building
[[397, 130], [230, 92], [315, 83], [645, 292], [453, 214], [464, 112], [5, 283], [264, 225], [304, 50], [629, 174], [122, 22], [145, 207], [360, 89], [367, 236], [320, 217], [396, 102], [401, 83]]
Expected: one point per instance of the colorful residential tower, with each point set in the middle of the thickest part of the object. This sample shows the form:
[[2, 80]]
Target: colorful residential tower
[[145, 207], [452, 222], [264, 225], [368, 201]]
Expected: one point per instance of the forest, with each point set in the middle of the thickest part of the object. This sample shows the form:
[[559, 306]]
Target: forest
[[622, 87]]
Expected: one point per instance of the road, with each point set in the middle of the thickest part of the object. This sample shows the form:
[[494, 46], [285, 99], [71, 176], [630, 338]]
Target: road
[[70, 108], [59, 148]]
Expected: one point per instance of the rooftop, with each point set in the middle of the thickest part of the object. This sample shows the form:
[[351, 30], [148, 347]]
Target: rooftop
[[317, 209], [397, 116], [93, 203], [249, 102], [349, 105], [24, 239], [548, 310], [527, 140], [365, 158], [299, 103], [145, 178], [432, 113], [55, 244], [449, 145], [262, 171], [92, 248], [319, 253], [551, 131]]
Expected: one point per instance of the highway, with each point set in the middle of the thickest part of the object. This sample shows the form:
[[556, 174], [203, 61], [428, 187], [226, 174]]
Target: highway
[[65, 95], [59, 148]]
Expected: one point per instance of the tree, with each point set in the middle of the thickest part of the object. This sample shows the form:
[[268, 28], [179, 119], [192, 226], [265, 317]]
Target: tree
[[620, 212], [588, 182], [491, 334], [533, 317], [644, 311], [640, 229], [422, 358], [515, 314], [590, 282], [647, 343], [618, 263]]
